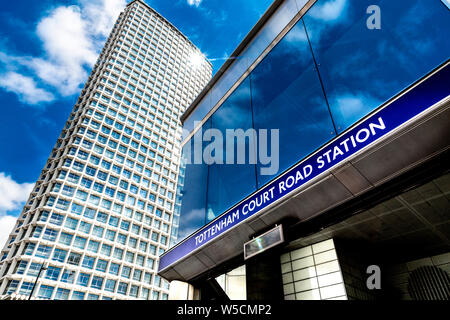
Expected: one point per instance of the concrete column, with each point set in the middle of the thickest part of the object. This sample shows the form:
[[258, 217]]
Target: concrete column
[[263, 277]]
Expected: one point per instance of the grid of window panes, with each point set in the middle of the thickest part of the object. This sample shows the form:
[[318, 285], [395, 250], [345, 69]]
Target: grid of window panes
[[101, 212]]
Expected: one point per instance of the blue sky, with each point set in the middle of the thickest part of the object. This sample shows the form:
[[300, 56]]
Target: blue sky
[[47, 49]]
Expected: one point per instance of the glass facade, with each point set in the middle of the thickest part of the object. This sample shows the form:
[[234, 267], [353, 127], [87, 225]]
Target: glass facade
[[327, 72], [102, 209], [227, 183]]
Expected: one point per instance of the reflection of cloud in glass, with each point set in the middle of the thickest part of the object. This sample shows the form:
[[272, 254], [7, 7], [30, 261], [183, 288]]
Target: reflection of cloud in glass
[[193, 216], [296, 34], [235, 111], [352, 107], [184, 233], [352, 64], [211, 215], [190, 222], [362, 68], [410, 35], [318, 121], [326, 15], [295, 44], [329, 11]]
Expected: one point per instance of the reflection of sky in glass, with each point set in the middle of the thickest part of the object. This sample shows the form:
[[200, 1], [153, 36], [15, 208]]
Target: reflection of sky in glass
[[287, 96], [229, 183], [362, 68], [193, 193]]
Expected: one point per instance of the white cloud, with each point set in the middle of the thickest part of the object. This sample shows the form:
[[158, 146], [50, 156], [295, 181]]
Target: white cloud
[[25, 88], [12, 194], [72, 38], [194, 2], [65, 36], [101, 14], [68, 49], [6, 225], [12, 197]]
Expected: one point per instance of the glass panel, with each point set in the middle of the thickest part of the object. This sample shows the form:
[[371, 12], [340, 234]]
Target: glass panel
[[361, 68], [193, 185], [287, 96], [278, 21], [273, 27], [198, 114], [232, 172], [229, 78]]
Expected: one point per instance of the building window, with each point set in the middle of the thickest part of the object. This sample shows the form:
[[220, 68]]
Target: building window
[[98, 231], [134, 291], [74, 258], [110, 285], [43, 251], [62, 294], [93, 296], [78, 295], [121, 238], [93, 246], [12, 286], [68, 276], [126, 272], [26, 287], [129, 257], [59, 255], [34, 268], [110, 235], [21, 267], [85, 227], [56, 219], [45, 292], [101, 265], [65, 238], [83, 279], [88, 262], [148, 278], [137, 275], [79, 243], [114, 269], [97, 282], [122, 289], [52, 273], [71, 223], [106, 250]]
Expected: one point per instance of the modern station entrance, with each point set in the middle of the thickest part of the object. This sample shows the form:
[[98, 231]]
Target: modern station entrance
[[398, 235]]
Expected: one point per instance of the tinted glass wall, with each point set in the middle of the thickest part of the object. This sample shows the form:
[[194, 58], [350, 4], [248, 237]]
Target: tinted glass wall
[[330, 70], [287, 96], [193, 184], [360, 67], [230, 178]]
